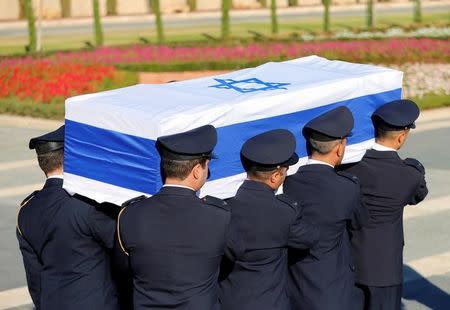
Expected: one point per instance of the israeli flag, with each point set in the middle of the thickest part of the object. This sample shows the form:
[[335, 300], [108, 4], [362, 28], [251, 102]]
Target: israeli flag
[[110, 153]]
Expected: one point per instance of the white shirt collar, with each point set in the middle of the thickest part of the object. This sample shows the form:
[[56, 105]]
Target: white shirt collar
[[382, 148], [56, 176], [317, 162], [177, 185]]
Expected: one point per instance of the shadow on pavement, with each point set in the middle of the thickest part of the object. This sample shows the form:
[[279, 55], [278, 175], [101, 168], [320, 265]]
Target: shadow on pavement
[[423, 291]]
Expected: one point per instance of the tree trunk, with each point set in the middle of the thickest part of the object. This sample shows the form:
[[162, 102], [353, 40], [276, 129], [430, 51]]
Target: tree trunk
[[65, 8], [156, 8], [22, 14], [97, 24], [226, 4], [274, 19], [417, 11], [326, 15], [29, 13], [192, 5], [369, 16], [111, 7]]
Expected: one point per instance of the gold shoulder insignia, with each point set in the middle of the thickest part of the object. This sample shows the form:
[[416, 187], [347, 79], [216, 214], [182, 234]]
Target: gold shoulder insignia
[[118, 233], [23, 204]]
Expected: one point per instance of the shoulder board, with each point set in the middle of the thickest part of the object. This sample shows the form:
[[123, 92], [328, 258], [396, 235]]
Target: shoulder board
[[22, 204], [216, 202], [29, 197], [415, 164], [349, 176], [288, 200], [133, 200]]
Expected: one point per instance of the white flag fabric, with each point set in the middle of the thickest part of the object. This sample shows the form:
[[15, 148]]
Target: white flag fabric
[[110, 153]]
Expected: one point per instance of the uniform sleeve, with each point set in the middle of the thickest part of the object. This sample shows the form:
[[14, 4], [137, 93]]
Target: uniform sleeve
[[421, 190], [360, 215], [302, 234], [32, 269], [102, 226], [235, 247], [122, 276], [420, 193]]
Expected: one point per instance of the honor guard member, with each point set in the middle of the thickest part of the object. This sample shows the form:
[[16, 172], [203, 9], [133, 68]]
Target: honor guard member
[[323, 278], [268, 224], [64, 241], [388, 184], [175, 241]]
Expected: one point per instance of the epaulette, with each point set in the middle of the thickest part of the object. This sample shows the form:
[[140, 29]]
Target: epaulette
[[216, 202], [133, 200], [29, 197], [22, 204], [349, 176], [415, 164], [288, 200]]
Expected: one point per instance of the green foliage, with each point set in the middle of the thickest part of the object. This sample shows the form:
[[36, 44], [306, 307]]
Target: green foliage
[[273, 14], [111, 7], [326, 15], [263, 3], [293, 2], [97, 24], [192, 5], [226, 5], [29, 13], [369, 14], [417, 11], [156, 9], [190, 66], [65, 8], [432, 101]]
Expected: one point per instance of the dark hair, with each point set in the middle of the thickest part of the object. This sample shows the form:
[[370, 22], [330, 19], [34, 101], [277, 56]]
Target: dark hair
[[322, 147], [179, 169], [51, 161], [260, 175], [384, 133]]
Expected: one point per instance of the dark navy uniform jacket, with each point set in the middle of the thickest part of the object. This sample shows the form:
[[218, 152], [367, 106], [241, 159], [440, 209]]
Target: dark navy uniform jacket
[[323, 278], [388, 184], [268, 225], [64, 244], [175, 243]]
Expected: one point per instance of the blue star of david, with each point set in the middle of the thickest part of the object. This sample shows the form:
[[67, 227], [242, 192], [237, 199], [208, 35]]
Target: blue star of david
[[260, 85]]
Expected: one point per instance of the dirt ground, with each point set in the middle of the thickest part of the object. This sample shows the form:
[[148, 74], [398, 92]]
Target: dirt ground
[[164, 77]]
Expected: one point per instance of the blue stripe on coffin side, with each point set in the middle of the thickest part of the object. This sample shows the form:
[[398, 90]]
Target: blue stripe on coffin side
[[132, 162]]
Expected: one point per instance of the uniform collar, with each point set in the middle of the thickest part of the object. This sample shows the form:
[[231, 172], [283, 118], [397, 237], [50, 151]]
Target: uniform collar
[[179, 186], [56, 176], [319, 168], [177, 190], [382, 148], [53, 182], [317, 162], [381, 154], [256, 186]]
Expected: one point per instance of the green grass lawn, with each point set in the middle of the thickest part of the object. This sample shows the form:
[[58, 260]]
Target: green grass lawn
[[186, 35], [55, 110]]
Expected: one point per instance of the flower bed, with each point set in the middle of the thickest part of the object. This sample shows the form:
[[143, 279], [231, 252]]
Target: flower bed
[[45, 82], [165, 58]]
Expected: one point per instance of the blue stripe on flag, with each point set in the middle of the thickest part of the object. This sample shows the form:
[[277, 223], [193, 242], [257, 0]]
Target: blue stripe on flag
[[132, 162]]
